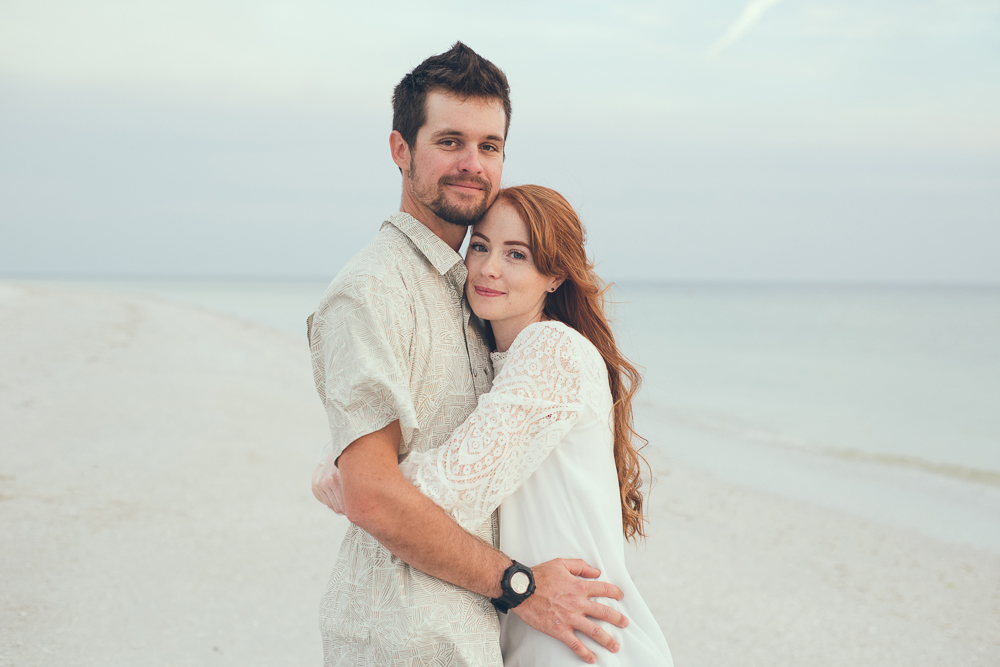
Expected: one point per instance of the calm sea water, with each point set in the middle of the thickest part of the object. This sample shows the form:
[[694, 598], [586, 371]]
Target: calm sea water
[[883, 402], [907, 376]]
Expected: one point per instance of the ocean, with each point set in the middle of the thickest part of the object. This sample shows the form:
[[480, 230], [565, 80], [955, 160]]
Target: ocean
[[882, 402]]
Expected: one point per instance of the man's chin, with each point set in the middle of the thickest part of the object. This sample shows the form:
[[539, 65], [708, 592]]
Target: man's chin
[[461, 222], [459, 217]]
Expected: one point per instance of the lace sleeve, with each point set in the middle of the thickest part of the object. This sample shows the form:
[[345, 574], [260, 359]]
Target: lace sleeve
[[534, 402]]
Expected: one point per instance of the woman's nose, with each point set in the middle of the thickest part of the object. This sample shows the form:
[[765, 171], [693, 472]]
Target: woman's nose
[[492, 266]]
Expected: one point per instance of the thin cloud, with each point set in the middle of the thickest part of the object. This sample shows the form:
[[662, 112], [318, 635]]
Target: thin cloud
[[751, 13]]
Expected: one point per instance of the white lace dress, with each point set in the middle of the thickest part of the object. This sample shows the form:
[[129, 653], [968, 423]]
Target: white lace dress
[[540, 446]]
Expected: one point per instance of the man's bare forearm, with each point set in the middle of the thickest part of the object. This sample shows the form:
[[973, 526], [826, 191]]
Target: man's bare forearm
[[379, 500], [423, 535]]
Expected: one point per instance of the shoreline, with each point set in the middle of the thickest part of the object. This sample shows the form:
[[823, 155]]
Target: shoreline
[[942, 507]]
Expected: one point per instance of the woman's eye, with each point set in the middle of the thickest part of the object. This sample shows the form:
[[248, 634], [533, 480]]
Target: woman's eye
[[478, 247], [517, 255]]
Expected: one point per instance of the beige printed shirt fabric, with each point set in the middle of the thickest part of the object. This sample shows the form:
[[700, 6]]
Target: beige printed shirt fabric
[[393, 338]]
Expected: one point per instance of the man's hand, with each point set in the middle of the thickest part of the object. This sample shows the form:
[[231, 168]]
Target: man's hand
[[326, 485], [561, 604]]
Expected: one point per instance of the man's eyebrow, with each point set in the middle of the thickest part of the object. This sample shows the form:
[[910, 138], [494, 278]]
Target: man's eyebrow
[[448, 133], [495, 138]]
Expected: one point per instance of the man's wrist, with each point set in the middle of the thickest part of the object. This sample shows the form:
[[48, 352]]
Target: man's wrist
[[517, 585]]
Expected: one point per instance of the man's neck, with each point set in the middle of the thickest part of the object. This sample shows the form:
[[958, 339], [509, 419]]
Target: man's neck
[[451, 234]]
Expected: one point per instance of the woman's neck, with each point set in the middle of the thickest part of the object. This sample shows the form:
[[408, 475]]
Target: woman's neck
[[505, 331]]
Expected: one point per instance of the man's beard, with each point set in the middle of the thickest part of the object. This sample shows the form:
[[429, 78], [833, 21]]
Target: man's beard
[[449, 212], [462, 217]]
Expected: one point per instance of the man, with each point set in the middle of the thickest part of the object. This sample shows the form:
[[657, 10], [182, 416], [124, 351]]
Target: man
[[399, 363]]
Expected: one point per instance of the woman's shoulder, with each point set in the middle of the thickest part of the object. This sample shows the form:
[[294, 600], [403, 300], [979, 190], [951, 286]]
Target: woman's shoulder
[[553, 339], [554, 360]]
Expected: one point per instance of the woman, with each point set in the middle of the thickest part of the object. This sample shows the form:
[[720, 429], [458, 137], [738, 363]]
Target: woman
[[551, 444]]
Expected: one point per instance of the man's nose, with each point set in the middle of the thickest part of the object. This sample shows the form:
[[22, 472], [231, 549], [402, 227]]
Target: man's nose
[[470, 160]]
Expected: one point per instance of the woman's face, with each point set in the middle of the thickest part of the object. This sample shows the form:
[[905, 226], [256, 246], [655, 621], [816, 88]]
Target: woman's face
[[504, 286]]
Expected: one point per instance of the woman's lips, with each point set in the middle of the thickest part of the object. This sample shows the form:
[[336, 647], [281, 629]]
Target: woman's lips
[[483, 291]]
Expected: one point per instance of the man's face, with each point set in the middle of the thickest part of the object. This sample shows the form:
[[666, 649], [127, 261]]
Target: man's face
[[457, 158]]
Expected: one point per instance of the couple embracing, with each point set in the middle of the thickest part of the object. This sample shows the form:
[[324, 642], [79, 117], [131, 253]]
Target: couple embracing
[[481, 413]]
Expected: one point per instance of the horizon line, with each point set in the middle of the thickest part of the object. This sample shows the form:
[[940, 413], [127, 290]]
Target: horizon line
[[665, 282]]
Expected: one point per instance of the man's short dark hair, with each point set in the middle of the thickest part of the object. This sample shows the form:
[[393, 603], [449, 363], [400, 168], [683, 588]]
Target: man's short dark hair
[[459, 71]]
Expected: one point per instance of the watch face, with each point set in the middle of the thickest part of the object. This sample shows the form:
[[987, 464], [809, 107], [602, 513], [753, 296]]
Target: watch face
[[519, 582]]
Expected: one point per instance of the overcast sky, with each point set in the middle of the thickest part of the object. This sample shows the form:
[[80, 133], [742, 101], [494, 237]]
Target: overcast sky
[[730, 141]]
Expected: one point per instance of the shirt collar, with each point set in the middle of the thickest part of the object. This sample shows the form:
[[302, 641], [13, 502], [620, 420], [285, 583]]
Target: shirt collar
[[438, 253]]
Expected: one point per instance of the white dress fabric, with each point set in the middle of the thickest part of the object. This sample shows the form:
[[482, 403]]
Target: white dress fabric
[[540, 447]]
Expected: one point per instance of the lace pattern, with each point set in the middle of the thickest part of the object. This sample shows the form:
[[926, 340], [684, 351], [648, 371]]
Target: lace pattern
[[550, 375]]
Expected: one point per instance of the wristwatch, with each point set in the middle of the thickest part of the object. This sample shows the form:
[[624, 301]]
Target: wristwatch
[[518, 584]]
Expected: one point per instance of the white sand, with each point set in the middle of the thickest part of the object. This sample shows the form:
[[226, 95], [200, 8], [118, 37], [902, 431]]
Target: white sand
[[155, 510]]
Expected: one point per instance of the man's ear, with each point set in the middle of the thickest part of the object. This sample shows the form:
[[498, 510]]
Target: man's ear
[[400, 150]]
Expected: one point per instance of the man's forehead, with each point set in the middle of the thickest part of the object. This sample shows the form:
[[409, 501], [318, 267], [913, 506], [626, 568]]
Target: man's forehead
[[449, 113]]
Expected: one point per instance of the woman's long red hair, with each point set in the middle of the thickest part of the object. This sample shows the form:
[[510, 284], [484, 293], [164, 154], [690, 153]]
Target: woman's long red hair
[[557, 238]]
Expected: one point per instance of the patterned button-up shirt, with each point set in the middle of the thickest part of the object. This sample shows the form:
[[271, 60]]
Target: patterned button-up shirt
[[392, 339]]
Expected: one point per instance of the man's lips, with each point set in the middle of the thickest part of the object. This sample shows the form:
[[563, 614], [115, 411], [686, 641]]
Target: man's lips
[[483, 291], [467, 187], [467, 184]]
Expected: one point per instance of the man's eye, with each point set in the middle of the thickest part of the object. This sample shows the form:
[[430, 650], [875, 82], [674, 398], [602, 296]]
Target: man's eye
[[491, 147], [449, 142]]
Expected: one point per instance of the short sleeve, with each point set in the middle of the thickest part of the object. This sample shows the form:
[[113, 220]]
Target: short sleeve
[[359, 340], [535, 400]]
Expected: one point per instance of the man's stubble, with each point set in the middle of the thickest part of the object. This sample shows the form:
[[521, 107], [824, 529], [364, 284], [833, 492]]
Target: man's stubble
[[447, 211]]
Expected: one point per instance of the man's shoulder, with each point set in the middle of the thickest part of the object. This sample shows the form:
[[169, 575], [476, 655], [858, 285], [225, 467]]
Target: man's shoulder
[[381, 270], [386, 259]]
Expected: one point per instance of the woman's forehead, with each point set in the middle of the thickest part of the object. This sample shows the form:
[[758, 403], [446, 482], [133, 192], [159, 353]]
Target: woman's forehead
[[503, 222]]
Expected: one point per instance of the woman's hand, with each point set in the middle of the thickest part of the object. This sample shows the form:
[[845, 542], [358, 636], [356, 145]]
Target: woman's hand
[[326, 486]]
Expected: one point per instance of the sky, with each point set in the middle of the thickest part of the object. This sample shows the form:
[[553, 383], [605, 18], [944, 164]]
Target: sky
[[760, 141]]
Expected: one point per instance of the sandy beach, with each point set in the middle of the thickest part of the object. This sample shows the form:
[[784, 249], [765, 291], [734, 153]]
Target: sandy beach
[[155, 510]]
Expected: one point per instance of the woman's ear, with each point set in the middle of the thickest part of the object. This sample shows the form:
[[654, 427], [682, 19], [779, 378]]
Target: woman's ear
[[556, 282]]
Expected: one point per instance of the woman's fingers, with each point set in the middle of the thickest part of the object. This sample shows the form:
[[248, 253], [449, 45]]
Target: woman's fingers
[[327, 488]]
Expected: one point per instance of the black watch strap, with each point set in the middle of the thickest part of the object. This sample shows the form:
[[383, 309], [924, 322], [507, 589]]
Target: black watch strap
[[518, 584]]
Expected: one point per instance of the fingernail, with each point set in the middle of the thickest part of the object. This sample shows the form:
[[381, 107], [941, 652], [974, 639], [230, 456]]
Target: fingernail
[[614, 649]]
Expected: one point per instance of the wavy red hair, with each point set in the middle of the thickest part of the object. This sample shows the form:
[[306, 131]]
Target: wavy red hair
[[557, 236]]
